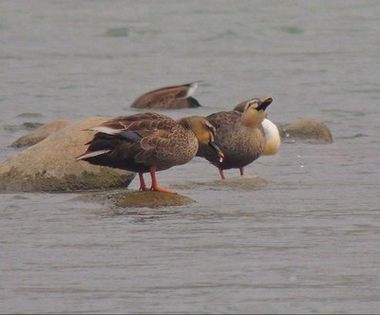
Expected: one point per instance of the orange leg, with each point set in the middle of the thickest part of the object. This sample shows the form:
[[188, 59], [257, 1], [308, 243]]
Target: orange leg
[[142, 182], [241, 171], [155, 184], [221, 174]]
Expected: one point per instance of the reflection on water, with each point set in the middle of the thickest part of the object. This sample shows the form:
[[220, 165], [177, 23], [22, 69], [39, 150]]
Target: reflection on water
[[299, 233], [248, 182]]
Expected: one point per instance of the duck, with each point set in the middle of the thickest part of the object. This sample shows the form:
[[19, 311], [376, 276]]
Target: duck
[[149, 142], [169, 97], [240, 135], [271, 132]]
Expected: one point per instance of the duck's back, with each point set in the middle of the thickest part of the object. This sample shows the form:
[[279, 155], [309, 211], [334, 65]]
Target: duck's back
[[170, 97], [140, 141]]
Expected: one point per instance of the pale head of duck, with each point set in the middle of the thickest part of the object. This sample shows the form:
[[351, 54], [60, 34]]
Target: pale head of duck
[[254, 111], [204, 131]]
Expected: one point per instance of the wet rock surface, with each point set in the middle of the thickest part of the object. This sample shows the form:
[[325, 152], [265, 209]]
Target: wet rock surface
[[138, 199]]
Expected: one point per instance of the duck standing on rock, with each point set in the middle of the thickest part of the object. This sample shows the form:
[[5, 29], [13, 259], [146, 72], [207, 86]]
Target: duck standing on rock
[[271, 132], [240, 135], [149, 142]]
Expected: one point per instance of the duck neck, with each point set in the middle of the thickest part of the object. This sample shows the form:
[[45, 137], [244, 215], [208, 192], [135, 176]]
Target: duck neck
[[185, 123], [252, 118]]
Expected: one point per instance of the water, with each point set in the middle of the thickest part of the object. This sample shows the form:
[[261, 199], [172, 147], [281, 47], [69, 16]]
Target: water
[[299, 234]]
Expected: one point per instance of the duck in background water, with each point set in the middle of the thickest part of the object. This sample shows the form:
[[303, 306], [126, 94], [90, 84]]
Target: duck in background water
[[272, 135], [150, 142], [170, 97], [239, 134]]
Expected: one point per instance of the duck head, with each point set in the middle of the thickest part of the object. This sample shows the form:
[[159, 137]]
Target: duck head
[[204, 131], [254, 110]]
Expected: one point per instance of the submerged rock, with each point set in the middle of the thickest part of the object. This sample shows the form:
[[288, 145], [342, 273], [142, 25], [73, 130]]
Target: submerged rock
[[151, 199], [40, 133], [139, 199], [50, 165], [307, 129]]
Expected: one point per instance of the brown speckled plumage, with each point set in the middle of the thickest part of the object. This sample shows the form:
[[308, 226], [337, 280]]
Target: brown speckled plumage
[[147, 142], [239, 135], [170, 97]]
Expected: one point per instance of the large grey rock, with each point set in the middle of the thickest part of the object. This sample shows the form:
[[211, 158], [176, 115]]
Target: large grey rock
[[308, 129], [40, 133], [50, 165]]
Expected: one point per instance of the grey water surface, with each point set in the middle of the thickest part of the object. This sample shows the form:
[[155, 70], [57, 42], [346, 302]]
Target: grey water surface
[[299, 234]]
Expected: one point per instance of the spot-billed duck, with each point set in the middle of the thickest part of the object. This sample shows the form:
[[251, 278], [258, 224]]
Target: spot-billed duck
[[239, 135], [149, 142]]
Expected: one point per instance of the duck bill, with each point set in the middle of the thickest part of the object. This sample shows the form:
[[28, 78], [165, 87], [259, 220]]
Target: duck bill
[[265, 103], [219, 152]]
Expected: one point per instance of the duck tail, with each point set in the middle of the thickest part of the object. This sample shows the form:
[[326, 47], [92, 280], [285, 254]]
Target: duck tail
[[193, 102], [91, 154]]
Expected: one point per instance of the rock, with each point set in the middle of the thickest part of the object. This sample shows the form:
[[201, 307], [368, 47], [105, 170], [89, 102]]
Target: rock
[[40, 133], [151, 199], [50, 165], [139, 199], [307, 129]]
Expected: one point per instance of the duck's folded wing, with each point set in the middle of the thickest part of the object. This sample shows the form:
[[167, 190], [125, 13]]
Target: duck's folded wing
[[141, 121], [154, 144], [143, 132]]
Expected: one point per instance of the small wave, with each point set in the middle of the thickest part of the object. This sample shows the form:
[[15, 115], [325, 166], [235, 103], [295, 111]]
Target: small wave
[[24, 126], [234, 183], [117, 32], [292, 29], [222, 35], [355, 136], [29, 115], [374, 90]]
